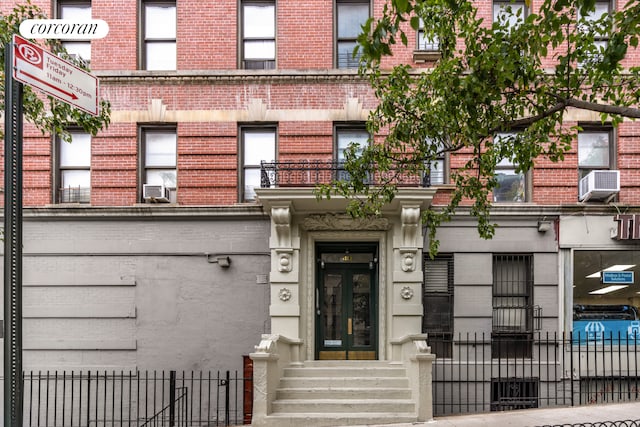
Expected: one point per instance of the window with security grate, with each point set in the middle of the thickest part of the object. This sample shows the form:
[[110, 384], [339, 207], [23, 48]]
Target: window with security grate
[[437, 302]]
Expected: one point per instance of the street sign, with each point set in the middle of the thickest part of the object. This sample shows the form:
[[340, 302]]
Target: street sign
[[61, 79], [623, 277]]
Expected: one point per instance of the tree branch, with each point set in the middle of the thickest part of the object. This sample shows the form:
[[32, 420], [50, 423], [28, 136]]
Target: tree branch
[[604, 108]]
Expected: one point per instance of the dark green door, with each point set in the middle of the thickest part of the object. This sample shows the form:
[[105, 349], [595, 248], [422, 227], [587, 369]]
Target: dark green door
[[346, 310]]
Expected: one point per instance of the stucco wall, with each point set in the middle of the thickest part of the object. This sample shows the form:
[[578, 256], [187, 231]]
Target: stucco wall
[[473, 274], [141, 293]]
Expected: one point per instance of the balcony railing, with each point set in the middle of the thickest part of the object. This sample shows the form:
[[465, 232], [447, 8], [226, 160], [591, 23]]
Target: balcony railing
[[309, 173]]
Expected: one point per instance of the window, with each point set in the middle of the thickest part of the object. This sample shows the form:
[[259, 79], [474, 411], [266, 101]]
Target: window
[[605, 301], [437, 168], [588, 24], [512, 185], [258, 35], [76, 10], [74, 169], [159, 147], [513, 313], [437, 303], [351, 15], [430, 44], [509, 13], [258, 144], [345, 136], [594, 150], [159, 36]]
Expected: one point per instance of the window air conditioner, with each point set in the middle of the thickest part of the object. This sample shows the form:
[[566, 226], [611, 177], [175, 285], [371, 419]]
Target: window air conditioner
[[599, 184], [155, 193]]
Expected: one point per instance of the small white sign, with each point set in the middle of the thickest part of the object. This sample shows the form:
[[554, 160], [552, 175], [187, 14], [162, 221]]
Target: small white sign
[[61, 79], [64, 29]]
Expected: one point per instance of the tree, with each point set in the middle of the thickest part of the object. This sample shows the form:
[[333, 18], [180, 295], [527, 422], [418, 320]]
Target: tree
[[516, 77], [46, 113]]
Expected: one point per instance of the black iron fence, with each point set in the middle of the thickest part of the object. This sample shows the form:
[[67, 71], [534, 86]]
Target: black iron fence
[[154, 399], [308, 173], [556, 370], [621, 423]]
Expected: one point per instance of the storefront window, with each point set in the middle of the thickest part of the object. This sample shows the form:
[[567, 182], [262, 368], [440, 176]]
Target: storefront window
[[606, 296]]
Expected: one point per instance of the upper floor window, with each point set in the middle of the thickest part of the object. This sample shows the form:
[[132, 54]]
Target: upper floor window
[[509, 13], [73, 174], [76, 10], [425, 43], [351, 15], [257, 144], [345, 136], [437, 168], [159, 35], [595, 150], [512, 185], [258, 35], [589, 24], [159, 155]]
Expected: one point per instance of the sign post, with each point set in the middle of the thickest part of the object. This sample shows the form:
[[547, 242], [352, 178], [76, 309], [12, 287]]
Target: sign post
[[12, 246], [62, 80]]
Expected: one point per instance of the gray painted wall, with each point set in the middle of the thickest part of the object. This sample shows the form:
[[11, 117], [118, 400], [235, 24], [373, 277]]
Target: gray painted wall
[[473, 276], [141, 293]]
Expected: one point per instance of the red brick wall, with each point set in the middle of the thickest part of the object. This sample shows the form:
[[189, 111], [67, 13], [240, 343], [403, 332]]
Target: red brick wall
[[207, 151]]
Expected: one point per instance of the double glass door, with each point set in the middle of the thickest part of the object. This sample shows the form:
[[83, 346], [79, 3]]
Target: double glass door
[[346, 310]]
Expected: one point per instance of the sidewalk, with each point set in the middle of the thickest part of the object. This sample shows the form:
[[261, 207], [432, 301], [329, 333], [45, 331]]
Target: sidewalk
[[538, 417]]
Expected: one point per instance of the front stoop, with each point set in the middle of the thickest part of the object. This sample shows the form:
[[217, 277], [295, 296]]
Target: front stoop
[[339, 393]]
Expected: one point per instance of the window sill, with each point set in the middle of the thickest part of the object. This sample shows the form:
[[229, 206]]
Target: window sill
[[422, 56]]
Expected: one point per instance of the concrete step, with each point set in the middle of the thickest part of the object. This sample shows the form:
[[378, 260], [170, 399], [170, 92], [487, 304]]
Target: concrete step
[[341, 382], [343, 393], [370, 406], [324, 419], [348, 363], [345, 371]]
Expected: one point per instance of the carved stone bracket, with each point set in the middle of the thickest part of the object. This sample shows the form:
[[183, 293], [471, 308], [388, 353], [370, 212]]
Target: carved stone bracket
[[410, 218], [281, 217]]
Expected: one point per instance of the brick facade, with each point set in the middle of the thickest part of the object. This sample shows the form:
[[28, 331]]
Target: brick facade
[[208, 97]]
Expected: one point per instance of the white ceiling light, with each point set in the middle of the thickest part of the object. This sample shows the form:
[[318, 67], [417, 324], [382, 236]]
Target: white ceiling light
[[617, 267], [608, 289]]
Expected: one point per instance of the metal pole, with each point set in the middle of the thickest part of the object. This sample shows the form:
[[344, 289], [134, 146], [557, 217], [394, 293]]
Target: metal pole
[[12, 245], [172, 398]]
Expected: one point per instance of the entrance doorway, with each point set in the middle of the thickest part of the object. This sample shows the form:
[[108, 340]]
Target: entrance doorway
[[346, 303]]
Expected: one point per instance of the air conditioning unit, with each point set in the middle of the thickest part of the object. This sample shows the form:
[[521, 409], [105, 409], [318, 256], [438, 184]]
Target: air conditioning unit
[[599, 184], [155, 193]]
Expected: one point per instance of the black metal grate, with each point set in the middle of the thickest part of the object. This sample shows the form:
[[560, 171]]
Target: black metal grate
[[437, 302], [74, 195], [514, 393]]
